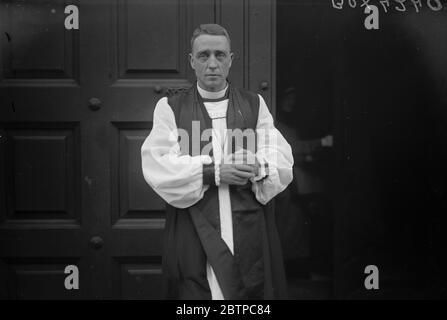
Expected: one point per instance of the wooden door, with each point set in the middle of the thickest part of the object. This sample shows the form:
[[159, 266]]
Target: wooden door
[[46, 215], [76, 106]]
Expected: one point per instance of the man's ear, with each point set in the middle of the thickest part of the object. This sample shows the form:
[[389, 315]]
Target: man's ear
[[191, 60], [231, 58]]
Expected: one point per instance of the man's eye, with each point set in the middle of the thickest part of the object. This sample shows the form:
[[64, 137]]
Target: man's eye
[[202, 55], [221, 55]]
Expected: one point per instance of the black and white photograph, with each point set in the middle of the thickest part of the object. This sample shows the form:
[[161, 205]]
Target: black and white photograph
[[198, 150]]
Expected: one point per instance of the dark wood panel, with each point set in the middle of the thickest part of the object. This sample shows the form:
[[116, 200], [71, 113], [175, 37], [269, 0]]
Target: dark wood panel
[[139, 278], [40, 168], [37, 45], [150, 39], [135, 188], [136, 199], [41, 278]]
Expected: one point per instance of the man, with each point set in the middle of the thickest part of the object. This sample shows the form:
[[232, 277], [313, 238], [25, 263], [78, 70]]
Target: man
[[220, 238]]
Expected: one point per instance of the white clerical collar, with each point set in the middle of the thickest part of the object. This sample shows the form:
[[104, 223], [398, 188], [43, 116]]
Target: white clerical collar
[[211, 95]]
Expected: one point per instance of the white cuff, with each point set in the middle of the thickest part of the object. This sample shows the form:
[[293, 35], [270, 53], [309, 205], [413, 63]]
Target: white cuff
[[263, 170]]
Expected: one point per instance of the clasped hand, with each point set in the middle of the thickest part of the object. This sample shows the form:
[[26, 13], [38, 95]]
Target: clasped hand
[[239, 167]]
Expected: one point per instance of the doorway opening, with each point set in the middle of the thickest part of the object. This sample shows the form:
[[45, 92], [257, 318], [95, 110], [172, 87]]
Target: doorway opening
[[304, 115]]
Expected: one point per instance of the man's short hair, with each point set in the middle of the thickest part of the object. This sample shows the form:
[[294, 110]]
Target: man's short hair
[[212, 29]]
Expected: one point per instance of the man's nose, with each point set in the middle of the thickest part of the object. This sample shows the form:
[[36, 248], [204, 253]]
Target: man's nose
[[212, 63]]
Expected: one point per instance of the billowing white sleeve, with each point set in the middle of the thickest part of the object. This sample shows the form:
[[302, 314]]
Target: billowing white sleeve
[[273, 149], [177, 178]]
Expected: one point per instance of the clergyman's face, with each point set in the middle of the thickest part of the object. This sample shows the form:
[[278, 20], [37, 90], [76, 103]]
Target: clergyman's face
[[211, 59]]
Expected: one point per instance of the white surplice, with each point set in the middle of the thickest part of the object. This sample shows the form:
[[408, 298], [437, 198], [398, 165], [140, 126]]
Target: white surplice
[[178, 178]]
